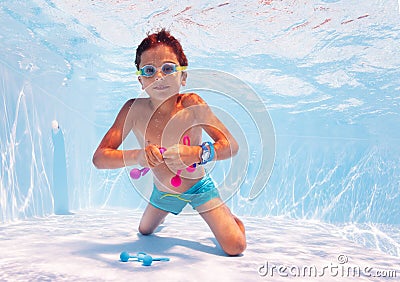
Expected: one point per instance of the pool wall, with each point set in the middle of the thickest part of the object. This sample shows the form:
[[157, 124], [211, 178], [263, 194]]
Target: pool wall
[[331, 178], [327, 167]]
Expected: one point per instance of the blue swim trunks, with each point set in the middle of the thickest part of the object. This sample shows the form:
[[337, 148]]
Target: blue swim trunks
[[200, 193]]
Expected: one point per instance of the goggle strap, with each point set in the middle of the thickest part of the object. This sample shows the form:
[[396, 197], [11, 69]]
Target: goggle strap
[[181, 68]]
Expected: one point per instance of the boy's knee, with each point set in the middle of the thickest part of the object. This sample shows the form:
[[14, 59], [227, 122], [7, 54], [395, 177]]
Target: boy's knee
[[145, 231], [236, 246]]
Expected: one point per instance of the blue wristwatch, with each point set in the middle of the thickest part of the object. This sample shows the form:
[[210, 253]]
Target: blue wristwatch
[[207, 154]]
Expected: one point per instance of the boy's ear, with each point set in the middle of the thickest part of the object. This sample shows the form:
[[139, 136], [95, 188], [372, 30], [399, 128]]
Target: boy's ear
[[183, 78]]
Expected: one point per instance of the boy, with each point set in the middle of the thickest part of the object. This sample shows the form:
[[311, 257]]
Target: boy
[[165, 119]]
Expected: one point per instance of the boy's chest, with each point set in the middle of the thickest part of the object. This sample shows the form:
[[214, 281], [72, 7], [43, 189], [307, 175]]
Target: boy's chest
[[166, 129]]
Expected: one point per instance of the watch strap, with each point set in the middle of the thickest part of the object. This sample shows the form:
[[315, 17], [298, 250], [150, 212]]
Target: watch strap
[[205, 149]]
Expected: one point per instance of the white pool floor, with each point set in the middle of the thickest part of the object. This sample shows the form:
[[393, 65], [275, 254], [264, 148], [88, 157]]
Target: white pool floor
[[85, 246]]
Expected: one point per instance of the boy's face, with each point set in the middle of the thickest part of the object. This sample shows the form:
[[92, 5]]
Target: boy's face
[[161, 86]]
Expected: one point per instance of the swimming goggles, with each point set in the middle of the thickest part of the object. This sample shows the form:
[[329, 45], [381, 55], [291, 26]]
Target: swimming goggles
[[166, 68]]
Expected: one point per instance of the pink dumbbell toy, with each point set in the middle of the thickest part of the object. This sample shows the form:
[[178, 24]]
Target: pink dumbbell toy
[[136, 173], [176, 181]]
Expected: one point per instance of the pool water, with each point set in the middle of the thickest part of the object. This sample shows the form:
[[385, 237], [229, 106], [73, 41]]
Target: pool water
[[312, 91]]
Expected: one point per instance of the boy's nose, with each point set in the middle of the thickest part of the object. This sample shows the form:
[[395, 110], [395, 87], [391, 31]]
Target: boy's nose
[[159, 74]]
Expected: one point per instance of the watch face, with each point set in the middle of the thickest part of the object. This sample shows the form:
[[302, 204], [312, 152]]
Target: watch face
[[206, 155]]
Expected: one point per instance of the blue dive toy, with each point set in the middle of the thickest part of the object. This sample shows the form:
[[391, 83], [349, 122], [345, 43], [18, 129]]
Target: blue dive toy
[[146, 259]]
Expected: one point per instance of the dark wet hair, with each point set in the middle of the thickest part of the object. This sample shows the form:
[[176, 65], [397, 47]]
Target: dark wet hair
[[162, 37]]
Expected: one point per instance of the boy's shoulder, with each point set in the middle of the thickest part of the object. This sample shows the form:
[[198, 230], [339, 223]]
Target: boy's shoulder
[[191, 99], [137, 102]]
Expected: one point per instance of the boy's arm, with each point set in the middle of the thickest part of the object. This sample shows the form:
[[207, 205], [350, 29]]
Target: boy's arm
[[225, 144], [107, 154]]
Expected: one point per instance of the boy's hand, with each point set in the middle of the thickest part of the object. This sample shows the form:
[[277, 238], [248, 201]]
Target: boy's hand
[[151, 157], [178, 156]]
